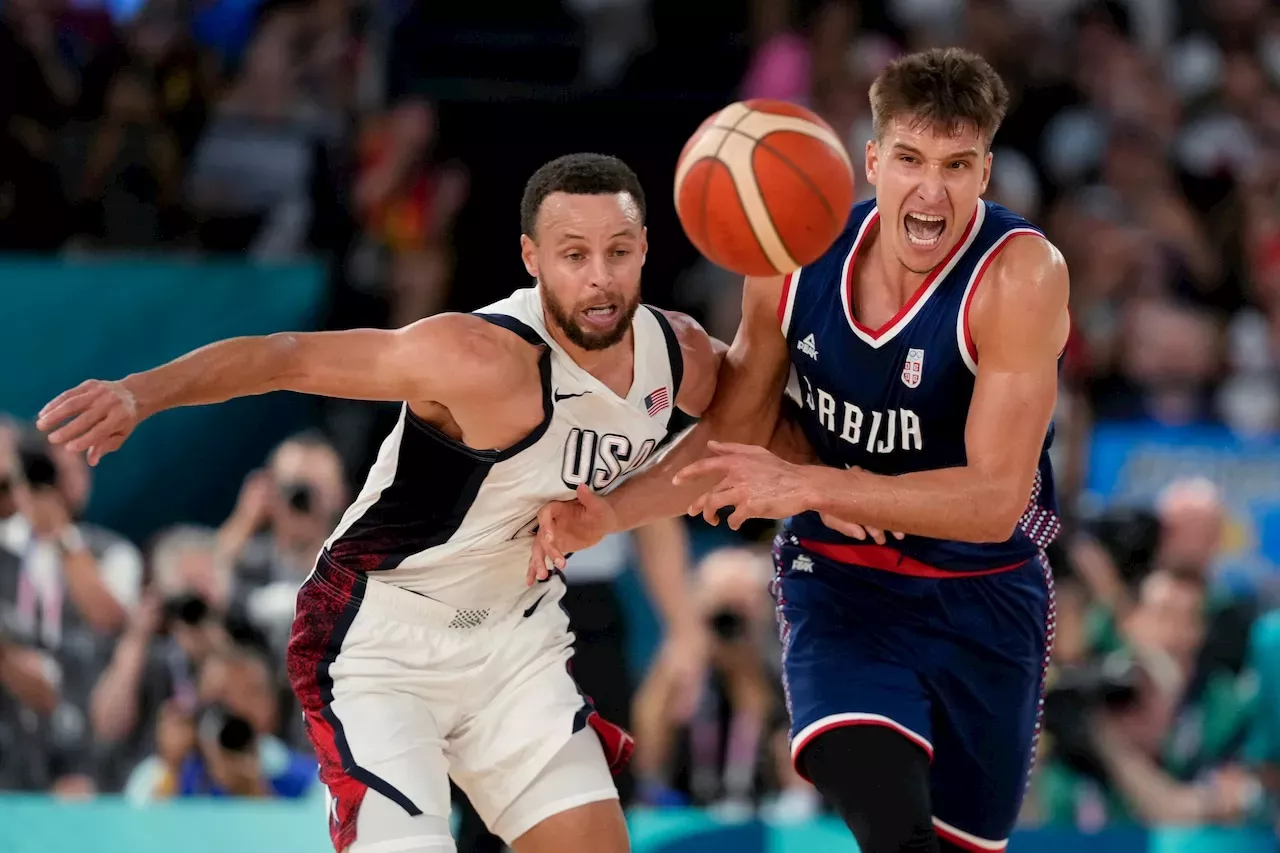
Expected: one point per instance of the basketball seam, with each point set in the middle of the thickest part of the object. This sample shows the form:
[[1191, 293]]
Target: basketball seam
[[706, 189], [785, 159]]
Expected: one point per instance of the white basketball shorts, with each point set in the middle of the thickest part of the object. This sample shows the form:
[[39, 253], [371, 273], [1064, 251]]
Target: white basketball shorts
[[401, 692]]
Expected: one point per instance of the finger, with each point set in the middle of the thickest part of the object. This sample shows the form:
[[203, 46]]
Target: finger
[[740, 516], [100, 433], [724, 448], [100, 450], [848, 528], [90, 428], [587, 496], [876, 534], [702, 468], [80, 415], [897, 535], [721, 498], [49, 408], [535, 558]]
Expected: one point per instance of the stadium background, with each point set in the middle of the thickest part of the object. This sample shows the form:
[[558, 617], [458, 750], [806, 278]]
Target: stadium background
[[176, 172]]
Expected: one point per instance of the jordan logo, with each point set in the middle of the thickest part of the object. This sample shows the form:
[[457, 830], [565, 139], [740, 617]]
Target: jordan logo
[[808, 347], [913, 368]]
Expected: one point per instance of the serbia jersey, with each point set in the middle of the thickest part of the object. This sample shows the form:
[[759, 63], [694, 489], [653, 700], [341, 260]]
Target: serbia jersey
[[455, 523], [895, 400]]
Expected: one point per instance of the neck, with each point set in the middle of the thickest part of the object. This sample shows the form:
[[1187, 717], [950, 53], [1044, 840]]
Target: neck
[[896, 277], [603, 364]]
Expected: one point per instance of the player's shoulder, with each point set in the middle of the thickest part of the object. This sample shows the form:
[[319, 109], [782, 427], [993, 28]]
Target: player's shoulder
[[700, 356], [688, 331], [474, 351]]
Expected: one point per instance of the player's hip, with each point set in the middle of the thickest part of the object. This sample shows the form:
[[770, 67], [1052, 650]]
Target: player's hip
[[353, 627], [1009, 607]]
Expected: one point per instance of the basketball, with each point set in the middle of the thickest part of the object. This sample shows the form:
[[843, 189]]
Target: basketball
[[763, 187]]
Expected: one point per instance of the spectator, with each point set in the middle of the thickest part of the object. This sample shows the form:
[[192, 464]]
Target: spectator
[[727, 743]]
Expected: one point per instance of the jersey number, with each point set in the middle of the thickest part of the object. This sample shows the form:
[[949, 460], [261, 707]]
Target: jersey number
[[598, 460]]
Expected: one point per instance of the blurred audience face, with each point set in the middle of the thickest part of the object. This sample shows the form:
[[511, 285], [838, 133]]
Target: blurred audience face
[[175, 733], [241, 683], [310, 492], [272, 66], [1169, 344], [928, 171], [185, 562], [732, 595], [158, 29], [1169, 616], [1192, 520]]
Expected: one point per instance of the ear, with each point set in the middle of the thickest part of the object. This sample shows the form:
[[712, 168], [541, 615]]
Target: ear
[[872, 161], [644, 244], [986, 174], [529, 254]]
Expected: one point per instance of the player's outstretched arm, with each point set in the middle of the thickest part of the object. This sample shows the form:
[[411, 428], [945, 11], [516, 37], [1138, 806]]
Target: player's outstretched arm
[[427, 361], [1019, 325]]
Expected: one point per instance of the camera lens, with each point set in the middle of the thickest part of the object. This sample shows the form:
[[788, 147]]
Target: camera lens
[[298, 496], [728, 625]]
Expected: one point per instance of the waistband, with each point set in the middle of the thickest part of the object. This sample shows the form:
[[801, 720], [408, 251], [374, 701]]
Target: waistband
[[887, 559], [395, 601]]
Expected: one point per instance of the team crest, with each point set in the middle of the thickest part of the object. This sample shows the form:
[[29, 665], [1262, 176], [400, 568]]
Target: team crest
[[913, 369]]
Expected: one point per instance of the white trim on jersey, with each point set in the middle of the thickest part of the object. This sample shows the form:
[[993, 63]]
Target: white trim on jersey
[[878, 340], [960, 838], [962, 316], [381, 475], [790, 285]]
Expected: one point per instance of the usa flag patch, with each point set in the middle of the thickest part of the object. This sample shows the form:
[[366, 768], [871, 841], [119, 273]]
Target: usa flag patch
[[657, 401]]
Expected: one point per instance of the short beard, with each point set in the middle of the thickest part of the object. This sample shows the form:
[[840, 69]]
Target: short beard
[[581, 338]]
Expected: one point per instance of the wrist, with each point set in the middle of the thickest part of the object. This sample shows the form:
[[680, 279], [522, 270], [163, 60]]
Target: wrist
[[820, 485], [135, 388]]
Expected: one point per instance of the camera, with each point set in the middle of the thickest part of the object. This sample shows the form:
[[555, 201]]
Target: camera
[[231, 732], [189, 609], [38, 467], [1130, 537], [299, 496], [728, 625], [1076, 693]]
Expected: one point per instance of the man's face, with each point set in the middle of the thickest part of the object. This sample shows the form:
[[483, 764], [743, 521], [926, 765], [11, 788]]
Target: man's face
[[587, 257], [928, 183]]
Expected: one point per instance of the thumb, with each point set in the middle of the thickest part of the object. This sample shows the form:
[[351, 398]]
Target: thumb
[[587, 497]]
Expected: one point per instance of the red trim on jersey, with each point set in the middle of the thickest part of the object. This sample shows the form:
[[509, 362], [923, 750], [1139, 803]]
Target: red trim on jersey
[[920, 291], [889, 559], [782, 303], [982, 270]]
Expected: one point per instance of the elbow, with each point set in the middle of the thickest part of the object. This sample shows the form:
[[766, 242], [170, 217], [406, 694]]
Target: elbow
[[997, 521]]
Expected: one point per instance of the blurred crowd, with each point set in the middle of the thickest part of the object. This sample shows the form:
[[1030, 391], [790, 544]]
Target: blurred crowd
[[1144, 135]]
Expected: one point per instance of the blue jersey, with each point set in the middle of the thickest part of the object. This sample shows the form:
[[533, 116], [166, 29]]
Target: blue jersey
[[895, 400]]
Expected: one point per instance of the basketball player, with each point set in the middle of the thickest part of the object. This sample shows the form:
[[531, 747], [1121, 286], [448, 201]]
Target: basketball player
[[417, 652], [920, 357]]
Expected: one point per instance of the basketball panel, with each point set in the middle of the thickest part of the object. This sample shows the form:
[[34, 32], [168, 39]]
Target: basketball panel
[[807, 189], [731, 241], [692, 200]]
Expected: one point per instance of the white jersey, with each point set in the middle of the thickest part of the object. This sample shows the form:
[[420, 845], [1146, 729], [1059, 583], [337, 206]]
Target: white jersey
[[456, 524]]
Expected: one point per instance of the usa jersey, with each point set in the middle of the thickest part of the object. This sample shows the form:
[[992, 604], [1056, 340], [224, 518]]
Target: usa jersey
[[895, 400], [455, 523]]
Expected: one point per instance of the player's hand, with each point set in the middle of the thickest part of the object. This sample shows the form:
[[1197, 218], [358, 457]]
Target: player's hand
[[94, 417], [755, 482], [565, 527], [858, 531]]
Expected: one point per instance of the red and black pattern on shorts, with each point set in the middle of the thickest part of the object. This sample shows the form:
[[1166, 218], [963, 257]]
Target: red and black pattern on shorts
[[327, 605]]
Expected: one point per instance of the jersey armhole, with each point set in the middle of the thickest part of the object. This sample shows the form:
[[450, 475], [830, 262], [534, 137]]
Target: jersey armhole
[[964, 338], [675, 355], [787, 302]]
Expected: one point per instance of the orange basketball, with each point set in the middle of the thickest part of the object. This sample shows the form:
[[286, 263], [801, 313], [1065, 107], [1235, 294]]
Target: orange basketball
[[763, 187]]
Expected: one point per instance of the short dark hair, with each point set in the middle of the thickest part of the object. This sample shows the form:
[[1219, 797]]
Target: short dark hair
[[578, 174], [944, 88]]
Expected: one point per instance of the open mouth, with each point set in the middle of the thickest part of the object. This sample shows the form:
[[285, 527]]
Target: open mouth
[[601, 315], [924, 230]]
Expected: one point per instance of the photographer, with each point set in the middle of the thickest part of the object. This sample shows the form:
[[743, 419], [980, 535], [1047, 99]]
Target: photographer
[[66, 591], [277, 528], [1143, 735], [726, 746], [170, 634], [236, 753]]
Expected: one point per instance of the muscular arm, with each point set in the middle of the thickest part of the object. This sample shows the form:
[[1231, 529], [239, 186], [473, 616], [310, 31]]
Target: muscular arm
[[449, 359], [1019, 325], [747, 393]]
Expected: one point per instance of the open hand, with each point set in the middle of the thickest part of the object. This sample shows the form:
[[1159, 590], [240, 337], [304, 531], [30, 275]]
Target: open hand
[[565, 527], [752, 480], [94, 417]]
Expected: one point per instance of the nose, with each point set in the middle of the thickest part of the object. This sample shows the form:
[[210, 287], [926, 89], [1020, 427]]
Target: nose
[[601, 274], [932, 189]]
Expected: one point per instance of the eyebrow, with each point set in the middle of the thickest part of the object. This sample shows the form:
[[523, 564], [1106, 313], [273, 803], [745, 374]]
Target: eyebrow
[[955, 155], [572, 236]]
